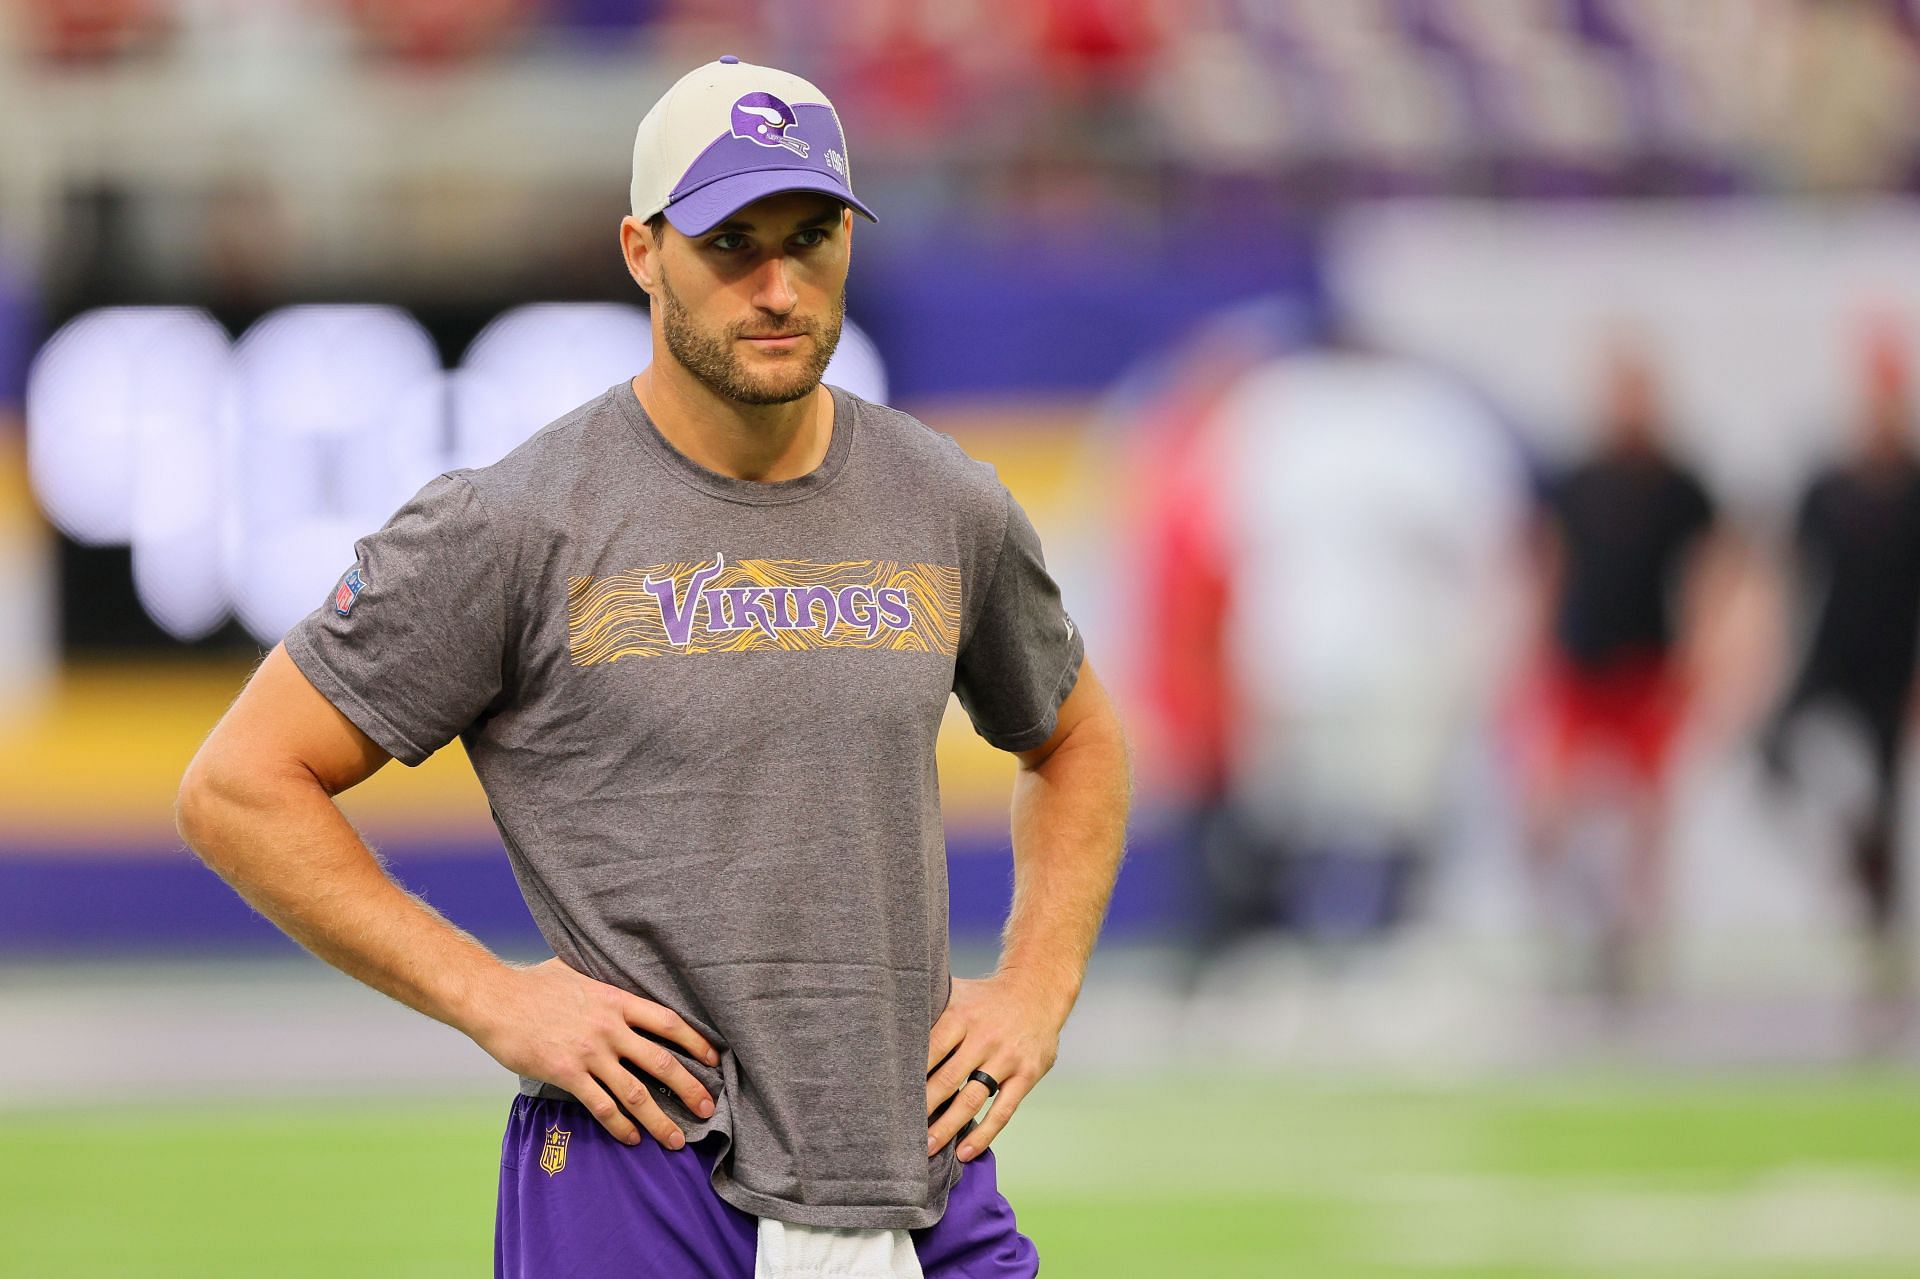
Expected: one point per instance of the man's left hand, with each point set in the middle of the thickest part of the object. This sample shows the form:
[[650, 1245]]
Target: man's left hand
[[1003, 1025]]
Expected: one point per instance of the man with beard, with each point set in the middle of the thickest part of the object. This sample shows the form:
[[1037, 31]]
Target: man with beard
[[697, 637]]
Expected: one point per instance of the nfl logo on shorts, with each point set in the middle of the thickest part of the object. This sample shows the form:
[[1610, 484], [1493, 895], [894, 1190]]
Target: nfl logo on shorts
[[348, 592], [553, 1156]]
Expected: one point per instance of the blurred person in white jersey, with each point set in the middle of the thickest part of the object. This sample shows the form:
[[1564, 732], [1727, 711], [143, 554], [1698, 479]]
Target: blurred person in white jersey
[[1346, 515], [697, 637]]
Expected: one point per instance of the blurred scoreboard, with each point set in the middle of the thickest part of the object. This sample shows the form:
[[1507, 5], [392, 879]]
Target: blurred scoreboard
[[239, 474]]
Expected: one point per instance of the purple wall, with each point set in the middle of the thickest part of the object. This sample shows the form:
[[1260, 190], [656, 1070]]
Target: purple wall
[[62, 903]]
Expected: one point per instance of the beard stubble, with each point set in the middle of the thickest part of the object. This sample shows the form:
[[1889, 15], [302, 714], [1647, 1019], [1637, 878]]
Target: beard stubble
[[711, 357]]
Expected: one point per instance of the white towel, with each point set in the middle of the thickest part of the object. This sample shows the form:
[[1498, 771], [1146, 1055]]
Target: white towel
[[787, 1251]]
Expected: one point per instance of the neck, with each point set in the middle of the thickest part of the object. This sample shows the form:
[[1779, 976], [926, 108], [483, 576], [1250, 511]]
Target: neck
[[760, 442]]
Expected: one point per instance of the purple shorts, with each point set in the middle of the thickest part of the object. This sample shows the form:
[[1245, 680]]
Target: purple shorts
[[592, 1208]]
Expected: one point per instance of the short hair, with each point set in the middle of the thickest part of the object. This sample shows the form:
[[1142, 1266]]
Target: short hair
[[654, 224]]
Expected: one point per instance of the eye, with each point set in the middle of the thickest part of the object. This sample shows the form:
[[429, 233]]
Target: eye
[[727, 241], [811, 238]]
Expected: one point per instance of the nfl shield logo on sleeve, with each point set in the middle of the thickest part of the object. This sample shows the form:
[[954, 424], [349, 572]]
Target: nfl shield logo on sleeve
[[349, 591]]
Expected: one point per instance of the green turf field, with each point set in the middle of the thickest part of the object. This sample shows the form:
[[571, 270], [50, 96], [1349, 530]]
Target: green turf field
[[1814, 1177]]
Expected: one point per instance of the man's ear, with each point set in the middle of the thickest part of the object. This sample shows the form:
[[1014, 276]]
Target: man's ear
[[642, 254]]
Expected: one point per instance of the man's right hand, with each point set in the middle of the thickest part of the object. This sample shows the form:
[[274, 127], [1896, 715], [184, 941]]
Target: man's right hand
[[551, 1023]]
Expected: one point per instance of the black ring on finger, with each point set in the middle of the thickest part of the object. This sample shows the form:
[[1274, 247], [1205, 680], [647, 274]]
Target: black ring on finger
[[982, 1077]]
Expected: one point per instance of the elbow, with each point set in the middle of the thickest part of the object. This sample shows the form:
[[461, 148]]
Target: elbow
[[228, 790], [195, 804], [212, 791]]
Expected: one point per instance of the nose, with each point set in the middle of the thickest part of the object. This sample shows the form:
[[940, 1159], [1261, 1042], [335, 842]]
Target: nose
[[773, 291]]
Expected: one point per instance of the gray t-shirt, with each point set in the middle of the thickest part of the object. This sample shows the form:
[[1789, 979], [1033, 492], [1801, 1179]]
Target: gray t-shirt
[[704, 710]]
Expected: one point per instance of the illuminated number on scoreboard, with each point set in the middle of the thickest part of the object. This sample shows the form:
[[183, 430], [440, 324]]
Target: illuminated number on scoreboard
[[121, 449], [310, 440], [536, 362], [240, 474]]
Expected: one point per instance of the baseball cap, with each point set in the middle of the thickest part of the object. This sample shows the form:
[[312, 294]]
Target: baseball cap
[[729, 133]]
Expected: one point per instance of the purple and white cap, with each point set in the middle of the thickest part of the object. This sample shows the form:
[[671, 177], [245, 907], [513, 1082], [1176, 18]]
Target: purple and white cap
[[730, 133]]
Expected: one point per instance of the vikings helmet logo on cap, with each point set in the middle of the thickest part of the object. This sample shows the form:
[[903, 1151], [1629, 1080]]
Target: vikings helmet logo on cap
[[690, 161], [764, 119]]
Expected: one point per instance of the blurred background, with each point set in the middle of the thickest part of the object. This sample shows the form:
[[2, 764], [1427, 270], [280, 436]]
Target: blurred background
[[1476, 438]]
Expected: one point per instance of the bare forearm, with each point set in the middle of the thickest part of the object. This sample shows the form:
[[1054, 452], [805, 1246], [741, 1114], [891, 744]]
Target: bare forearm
[[290, 852], [1069, 824]]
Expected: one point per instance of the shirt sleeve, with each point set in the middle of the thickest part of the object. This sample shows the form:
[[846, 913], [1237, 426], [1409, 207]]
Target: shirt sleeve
[[1022, 655], [410, 645]]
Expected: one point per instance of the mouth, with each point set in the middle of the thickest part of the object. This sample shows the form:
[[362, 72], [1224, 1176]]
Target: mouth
[[776, 342]]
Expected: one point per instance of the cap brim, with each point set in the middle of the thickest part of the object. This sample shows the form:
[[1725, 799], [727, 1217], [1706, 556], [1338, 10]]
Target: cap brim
[[698, 212]]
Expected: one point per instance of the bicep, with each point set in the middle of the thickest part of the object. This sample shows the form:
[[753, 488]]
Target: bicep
[[282, 723], [1086, 709]]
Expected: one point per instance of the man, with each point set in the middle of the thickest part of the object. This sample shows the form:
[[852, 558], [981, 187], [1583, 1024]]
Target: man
[[697, 637], [1858, 538], [1623, 540], [1339, 519]]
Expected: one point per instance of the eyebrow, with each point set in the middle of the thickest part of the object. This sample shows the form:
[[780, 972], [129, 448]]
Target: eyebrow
[[819, 219]]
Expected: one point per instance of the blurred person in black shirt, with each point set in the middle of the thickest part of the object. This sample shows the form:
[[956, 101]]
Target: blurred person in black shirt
[[1857, 538], [1621, 539]]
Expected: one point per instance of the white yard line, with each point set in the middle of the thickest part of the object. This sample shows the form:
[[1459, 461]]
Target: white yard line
[[1800, 1216], [186, 1029]]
